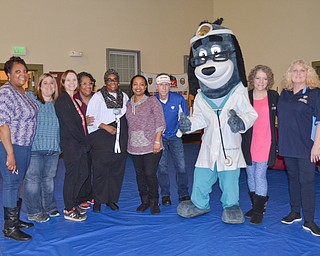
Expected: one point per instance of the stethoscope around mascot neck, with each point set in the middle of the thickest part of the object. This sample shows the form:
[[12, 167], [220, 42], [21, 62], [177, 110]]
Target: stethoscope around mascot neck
[[227, 159]]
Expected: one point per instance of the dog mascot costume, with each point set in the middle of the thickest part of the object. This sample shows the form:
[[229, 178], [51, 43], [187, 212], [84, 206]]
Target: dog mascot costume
[[223, 110]]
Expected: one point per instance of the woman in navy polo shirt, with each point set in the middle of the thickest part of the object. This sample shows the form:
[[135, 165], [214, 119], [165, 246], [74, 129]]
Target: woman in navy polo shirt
[[298, 111]]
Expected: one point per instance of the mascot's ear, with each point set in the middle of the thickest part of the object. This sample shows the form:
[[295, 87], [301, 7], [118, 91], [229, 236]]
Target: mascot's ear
[[240, 62], [218, 21], [193, 81]]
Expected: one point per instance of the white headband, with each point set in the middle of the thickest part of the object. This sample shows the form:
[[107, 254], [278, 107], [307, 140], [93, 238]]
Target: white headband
[[206, 30]]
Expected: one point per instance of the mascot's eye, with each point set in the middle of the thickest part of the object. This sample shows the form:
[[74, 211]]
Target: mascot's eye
[[202, 53], [215, 49]]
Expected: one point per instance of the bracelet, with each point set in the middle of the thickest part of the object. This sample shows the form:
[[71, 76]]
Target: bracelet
[[157, 142]]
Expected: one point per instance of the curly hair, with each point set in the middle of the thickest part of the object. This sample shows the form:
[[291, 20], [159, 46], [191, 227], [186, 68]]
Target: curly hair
[[264, 69], [86, 74], [37, 89], [9, 64], [111, 72], [312, 80]]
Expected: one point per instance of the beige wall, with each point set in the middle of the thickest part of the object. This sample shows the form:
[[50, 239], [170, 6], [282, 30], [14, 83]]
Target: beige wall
[[51, 28], [272, 32]]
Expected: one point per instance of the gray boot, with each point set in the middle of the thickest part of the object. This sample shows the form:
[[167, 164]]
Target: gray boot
[[232, 215], [11, 225], [187, 209]]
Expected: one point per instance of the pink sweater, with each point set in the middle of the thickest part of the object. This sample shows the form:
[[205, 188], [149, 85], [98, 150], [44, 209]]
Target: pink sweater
[[145, 118]]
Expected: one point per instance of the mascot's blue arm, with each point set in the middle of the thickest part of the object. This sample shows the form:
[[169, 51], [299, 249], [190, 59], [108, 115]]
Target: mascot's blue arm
[[235, 122], [184, 123]]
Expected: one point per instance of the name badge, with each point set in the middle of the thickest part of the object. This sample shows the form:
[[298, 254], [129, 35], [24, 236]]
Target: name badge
[[117, 111]]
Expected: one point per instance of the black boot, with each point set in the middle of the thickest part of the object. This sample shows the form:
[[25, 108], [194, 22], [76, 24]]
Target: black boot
[[154, 206], [11, 225], [258, 209], [248, 214], [145, 203], [21, 223]]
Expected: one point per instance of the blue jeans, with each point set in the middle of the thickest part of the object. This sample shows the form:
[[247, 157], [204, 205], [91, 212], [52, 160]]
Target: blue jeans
[[257, 178], [39, 182], [11, 182], [174, 147]]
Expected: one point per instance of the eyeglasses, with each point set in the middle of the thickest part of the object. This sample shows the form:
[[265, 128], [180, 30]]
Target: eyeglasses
[[109, 80], [91, 83], [218, 57]]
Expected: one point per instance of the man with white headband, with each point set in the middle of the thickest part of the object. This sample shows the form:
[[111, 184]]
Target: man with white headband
[[173, 104]]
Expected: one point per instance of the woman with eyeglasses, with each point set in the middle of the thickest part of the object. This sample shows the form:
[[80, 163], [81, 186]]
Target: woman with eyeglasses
[[108, 138], [83, 96]]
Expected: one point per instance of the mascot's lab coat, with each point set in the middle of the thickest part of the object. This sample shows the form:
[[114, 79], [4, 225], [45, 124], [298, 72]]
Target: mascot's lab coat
[[204, 116]]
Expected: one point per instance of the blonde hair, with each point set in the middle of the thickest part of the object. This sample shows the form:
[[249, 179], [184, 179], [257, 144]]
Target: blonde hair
[[37, 90], [312, 80]]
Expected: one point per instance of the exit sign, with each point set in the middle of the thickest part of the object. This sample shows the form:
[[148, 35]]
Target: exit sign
[[19, 50]]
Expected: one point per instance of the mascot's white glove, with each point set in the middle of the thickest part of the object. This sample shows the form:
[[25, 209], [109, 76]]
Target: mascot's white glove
[[235, 122], [184, 123]]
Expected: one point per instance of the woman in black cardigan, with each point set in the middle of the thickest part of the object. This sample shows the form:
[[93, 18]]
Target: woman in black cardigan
[[259, 142], [73, 142]]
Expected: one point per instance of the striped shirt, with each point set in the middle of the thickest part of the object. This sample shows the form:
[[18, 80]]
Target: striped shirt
[[19, 112]]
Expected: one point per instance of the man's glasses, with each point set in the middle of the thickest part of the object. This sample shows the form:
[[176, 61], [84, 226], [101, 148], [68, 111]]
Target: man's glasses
[[109, 81]]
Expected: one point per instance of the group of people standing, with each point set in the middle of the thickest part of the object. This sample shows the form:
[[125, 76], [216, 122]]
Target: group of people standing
[[94, 132], [298, 112]]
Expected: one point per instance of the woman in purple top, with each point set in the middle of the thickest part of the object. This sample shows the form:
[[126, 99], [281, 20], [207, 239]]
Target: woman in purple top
[[17, 129], [145, 126]]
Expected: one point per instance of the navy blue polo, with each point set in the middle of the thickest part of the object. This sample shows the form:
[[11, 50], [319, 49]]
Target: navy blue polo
[[295, 121]]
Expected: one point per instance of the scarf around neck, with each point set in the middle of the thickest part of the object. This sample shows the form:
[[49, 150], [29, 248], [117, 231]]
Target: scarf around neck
[[110, 100]]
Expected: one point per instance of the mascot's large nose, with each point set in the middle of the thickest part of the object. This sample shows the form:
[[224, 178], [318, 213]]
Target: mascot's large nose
[[208, 71]]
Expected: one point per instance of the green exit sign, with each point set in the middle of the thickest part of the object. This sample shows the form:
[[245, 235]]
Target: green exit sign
[[19, 50]]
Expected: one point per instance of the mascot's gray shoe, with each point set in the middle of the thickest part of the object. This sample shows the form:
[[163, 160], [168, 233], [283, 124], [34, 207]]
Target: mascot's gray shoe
[[187, 209], [232, 215]]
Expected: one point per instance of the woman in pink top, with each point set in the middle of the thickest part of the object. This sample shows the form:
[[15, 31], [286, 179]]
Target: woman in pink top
[[259, 142]]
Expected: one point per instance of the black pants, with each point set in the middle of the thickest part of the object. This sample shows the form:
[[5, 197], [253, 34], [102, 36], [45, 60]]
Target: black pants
[[146, 173], [86, 192], [301, 174], [76, 164], [108, 167]]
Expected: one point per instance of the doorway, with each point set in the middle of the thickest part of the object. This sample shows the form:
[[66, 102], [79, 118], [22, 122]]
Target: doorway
[[35, 71]]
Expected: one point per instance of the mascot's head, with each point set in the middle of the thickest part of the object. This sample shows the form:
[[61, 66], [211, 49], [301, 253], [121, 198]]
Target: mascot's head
[[215, 61]]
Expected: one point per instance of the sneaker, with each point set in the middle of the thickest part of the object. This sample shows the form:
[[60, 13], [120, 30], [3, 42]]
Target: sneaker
[[84, 206], [74, 215], [54, 213], [41, 217], [292, 217], [312, 227], [80, 210], [166, 200], [90, 201]]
